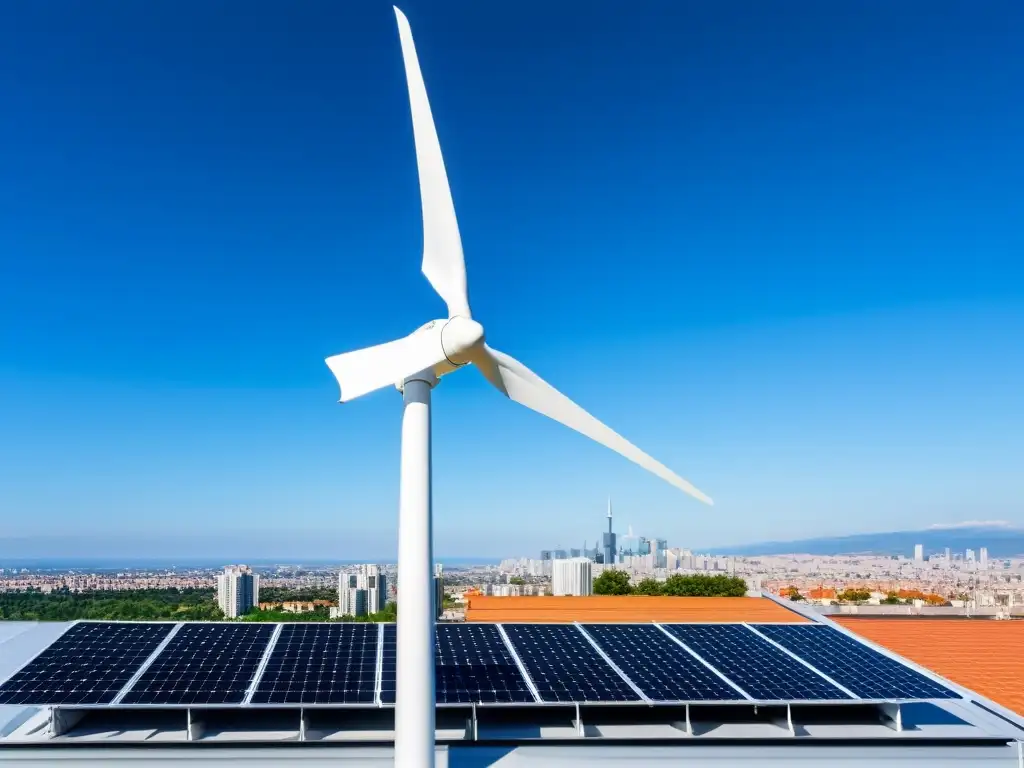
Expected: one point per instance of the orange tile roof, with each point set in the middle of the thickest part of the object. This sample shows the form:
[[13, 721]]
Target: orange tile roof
[[637, 608], [984, 655]]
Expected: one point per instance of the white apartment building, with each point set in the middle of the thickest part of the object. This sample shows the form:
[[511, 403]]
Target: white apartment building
[[238, 590], [573, 576], [919, 553], [362, 592]]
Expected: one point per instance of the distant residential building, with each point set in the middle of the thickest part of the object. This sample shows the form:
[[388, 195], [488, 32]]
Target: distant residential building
[[559, 554], [949, 557], [983, 557], [575, 553], [438, 589], [545, 554], [572, 577], [969, 555], [238, 590], [661, 553], [919, 553], [362, 592]]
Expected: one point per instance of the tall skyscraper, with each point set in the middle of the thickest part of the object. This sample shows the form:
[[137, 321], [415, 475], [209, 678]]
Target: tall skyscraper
[[949, 557], [559, 554], [238, 590], [609, 538], [575, 553], [919, 552], [572, 577], [644, 546], [983, 557], [969, 555], [362, 592]]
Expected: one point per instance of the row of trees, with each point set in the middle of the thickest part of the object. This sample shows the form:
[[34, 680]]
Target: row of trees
[[321, 613], [855, 595], [138, 604], [613, 582]]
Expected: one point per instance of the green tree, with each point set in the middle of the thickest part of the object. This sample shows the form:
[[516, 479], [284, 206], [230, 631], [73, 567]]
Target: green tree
[[648, 587], [612, 582], [854, 595], [700, 585], [517, 580], [794, 595], [891, 599]]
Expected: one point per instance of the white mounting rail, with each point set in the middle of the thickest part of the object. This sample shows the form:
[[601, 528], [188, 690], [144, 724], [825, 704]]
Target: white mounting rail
[[263, 664], [145, 665], [707, 664], [796, 658], [519, 663], [636, 689]]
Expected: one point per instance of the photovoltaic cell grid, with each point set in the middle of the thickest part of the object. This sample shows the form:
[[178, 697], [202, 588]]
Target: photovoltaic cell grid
[[321, 664], [471, 665], [564, 665], [754, 664], [88, 664], [203, 664], [658, 666], [863, 670]]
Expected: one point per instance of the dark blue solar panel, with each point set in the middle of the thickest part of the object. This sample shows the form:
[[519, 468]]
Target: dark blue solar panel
[[564, 665], [754, 664], [659, 667], [203, 664], [863, 670], [471, 665], [389, 664], [88, 664], [321, 664]]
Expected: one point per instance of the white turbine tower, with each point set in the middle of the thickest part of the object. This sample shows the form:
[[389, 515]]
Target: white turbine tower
[[414, 364]]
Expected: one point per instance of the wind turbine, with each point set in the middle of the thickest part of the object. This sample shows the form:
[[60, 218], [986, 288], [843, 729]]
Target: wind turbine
[[414, 364]]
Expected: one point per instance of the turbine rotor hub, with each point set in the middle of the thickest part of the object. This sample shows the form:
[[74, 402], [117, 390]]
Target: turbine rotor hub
[[459, 337]]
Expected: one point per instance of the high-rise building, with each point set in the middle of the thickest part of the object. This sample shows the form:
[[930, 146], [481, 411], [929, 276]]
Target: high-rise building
[[545, 554], [558, 554], [949, 558], [919, 552], [438, 589], [363, 592], [575, 553], [609, 539], [661, 553], [969, 555], [644, 546], [238, 590], [572, 577], [983, 557]]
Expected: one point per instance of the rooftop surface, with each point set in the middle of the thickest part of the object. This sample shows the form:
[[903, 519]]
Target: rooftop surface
[[628, 608], [984, 655]]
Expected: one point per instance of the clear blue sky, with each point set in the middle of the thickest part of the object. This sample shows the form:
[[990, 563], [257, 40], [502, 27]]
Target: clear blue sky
[[778, 245]]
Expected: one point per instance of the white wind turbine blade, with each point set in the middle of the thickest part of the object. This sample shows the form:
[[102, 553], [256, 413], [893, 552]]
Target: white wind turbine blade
[[384, 365], [443, 262], [525, 387]]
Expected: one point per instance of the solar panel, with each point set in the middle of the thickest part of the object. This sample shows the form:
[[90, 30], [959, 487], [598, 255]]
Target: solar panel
[[321, 664], [754, 664], [564, 666], [472, 665], [88, 664], [388, 664], [203, 664], [659, 666], [866, 672]]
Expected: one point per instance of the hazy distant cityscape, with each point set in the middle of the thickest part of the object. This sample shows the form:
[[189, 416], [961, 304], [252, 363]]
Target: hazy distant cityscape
[[920, 579]]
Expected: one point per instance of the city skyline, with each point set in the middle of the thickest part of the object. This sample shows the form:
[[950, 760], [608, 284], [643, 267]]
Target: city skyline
[[821, 311]]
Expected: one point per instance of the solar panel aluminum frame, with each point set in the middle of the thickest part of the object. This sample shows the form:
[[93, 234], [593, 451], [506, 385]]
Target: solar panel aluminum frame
[[806, 663]]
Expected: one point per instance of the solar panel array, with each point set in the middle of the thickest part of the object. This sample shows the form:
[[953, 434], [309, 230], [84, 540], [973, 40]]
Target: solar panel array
[[98, 663], [88, 664]]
